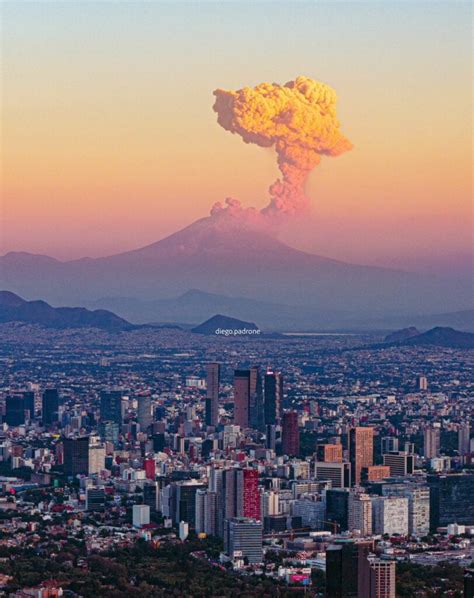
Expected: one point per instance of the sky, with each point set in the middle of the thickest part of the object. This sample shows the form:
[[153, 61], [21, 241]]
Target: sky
[[109, 141]]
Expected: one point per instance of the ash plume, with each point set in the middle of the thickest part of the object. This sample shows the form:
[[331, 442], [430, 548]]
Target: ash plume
[[299, 120]]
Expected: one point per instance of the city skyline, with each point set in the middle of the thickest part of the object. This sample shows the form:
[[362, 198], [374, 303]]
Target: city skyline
[[236, 299]]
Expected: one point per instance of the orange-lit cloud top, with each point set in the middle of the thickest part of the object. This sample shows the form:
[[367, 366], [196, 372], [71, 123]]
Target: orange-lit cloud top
[[298, 119]]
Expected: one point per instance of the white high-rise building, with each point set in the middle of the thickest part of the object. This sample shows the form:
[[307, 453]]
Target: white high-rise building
[[418, 505], [423, 383], [270, 503], [141, 515], [390, 515], [206, 512], [183, 530], [360, 513], [432, 442], [96, 458]]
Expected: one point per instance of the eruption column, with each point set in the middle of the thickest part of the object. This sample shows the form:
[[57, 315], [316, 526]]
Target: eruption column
[[298, 119]]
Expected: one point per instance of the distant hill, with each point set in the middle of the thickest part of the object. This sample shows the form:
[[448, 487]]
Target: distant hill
[[459, 320], [15, 309], [402, 335], [220, 325], [441, 337]]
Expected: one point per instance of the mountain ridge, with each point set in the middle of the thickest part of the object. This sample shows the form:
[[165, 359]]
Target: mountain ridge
[[439, 336], [15, 309]]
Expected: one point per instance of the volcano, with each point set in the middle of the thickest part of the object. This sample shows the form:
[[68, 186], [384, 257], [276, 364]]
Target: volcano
[[227, 256]]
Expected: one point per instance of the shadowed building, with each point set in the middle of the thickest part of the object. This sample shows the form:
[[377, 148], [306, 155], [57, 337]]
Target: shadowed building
[[212, 394], [273, 397], [345, 569], [290, 434], [50, 406], [256, 399], [15, 410], [241, 398], [111, 406]]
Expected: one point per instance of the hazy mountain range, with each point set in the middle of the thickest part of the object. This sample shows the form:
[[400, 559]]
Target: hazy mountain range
[[16, 309], [244, 273], [438, 336]]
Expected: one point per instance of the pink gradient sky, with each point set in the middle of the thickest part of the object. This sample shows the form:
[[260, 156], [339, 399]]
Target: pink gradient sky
[[109, 141]]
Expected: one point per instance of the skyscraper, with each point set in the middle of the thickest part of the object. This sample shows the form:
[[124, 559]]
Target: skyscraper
[[390, 515], [144, 412], [243, 538], [251, 495], [361, 451], [290, 434], [15, 410], [337, 508], [241, 398], [451, 499], [82, 457], [217, 485], [464, 440], [431, 442], [140, 515], [360, 513], [379, 575], [149, 466], [273, 396], [152, 495], [418, 505], [422, 383], [212, 394], [29, 398], [241, 497], [256, 415], [76, 456], [345, 575], [50, 406], [185, 497], [111, 406]]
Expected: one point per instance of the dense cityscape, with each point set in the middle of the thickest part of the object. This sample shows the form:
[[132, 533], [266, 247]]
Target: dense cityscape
[[157, 461]]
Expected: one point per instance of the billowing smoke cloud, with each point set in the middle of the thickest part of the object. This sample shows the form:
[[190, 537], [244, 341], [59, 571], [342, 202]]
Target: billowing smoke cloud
[[299, 119]]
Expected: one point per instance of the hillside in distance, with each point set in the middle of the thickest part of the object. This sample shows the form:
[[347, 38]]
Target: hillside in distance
[[439, 337], [226, 326], [402, 335], [15, 309], [226, 257]]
